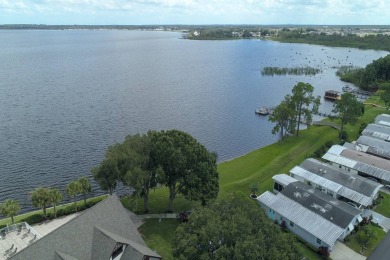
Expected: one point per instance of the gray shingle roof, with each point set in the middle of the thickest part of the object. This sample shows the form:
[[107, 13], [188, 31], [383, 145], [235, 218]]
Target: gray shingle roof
[[362, 162], [355, 188], [79, 237], [306, 219]]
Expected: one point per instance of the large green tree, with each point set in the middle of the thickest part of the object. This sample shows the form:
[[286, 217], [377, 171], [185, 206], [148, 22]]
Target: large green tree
[[106, 174], [348, 110], [55, 199], [304, 104], [85, 188], [188, 167], [234, 228], [283, 116], [385, 96], [10, 208], [40, 198], [135, 166], [73, 189]]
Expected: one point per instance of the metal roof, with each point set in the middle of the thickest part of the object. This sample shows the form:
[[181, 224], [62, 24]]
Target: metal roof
[[334, 210], [355, 188], [377, 131], [362, 162], [302, 217], [284, 179], [382, 117], [375, 146]]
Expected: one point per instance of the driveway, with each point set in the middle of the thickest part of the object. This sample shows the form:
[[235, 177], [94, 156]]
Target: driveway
[[379, 219], [342, 252]]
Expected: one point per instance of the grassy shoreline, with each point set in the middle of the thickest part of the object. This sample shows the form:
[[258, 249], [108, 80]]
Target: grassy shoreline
[[258, 166]]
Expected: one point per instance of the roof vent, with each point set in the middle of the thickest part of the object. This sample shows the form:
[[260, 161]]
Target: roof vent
[[320, 170]]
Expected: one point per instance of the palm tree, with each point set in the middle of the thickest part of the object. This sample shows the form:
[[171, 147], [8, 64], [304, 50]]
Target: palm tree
[[72, 189], [55, 199], [40, 198], [10, 208], [85, 188]]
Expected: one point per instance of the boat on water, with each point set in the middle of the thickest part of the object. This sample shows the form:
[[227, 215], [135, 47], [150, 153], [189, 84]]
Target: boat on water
[[262, 111], [332, 95], [347, 88]]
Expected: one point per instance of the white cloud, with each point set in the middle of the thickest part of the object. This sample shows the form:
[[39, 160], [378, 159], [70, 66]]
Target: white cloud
[[207, 11]]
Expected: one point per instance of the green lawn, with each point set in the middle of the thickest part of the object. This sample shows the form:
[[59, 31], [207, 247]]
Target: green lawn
[[353, 243], [158, 235], [236, 176], [384, 207]]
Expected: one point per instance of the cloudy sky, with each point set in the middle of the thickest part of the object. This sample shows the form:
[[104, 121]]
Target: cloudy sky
[[103, 12]]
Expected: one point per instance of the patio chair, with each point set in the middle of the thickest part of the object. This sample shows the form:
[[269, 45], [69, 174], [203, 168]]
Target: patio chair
[[9, 249]]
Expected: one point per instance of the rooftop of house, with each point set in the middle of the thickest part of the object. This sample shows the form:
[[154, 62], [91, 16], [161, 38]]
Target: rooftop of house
[[283, 179], [93, 234], [362, 162], [333, 210], [373, 146], [383, 119], [355, 183], [306, 219], [377, 131]]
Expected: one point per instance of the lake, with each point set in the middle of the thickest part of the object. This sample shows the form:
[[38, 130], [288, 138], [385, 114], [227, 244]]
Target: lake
[[67, 95]]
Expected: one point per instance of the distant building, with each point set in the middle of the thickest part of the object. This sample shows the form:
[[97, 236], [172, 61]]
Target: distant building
[[360, 163], [377, 131], [383, 119], [315, 217], [336, 183], [373, 146], [103, 232]]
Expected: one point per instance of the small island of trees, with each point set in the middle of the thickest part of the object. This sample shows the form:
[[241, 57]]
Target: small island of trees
[[308, 71]]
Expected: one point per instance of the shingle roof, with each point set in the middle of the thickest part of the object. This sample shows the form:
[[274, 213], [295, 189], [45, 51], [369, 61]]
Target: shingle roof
[[79, 237], [302, 217], [355, 188], [333, 210], [362, 162]]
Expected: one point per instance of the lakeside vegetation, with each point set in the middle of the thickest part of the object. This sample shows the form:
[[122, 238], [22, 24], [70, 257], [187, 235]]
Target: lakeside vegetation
[[37, 216], [374, 76], [237, 175], [308, 71], [372, 41]]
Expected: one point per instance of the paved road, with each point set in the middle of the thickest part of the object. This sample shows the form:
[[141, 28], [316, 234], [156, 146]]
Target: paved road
[[382, 251]]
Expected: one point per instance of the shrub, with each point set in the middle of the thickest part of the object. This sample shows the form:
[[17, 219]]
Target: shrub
[[329, 144], [361, 128], [322, 250], [344, 135]]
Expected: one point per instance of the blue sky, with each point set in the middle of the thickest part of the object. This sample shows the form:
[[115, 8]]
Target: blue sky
[[354, 12]]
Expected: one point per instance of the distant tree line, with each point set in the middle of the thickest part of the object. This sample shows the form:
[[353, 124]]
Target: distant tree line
[[375, 42], [374, 76]]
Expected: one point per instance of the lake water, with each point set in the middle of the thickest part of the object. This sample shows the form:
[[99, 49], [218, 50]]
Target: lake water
[[67, 95]]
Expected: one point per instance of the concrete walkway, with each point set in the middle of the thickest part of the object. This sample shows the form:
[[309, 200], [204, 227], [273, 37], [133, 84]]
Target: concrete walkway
[[377, 218], [342, 252]]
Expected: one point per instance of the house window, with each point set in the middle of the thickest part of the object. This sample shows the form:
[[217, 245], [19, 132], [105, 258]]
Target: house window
[[291, 223], [318, 241], [270, 210]]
